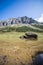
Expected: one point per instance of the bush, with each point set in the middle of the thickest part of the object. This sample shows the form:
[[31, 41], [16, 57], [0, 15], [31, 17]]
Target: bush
[[22, 29]]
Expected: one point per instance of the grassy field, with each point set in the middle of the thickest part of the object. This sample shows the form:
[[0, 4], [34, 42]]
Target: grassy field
[[19, 51]]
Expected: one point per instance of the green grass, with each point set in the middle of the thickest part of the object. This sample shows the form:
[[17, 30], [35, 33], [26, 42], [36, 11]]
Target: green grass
[[38, 26], [26, 28], [19, 29]]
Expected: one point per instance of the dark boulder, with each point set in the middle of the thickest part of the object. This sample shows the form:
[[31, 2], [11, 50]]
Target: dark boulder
[[38, 59], [31, 35]]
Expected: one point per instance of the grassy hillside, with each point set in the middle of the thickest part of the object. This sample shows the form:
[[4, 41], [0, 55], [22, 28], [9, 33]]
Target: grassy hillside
[[28, 28], [19, 51], [38, 26], [16, 51], [21, 28]]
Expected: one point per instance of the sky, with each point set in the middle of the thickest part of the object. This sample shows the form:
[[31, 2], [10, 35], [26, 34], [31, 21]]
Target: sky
[[19, 8]]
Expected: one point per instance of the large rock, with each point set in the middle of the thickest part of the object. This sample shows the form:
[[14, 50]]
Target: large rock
[[38, 60]]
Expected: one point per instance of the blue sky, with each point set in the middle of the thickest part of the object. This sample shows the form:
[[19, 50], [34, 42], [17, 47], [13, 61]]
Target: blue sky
[[16, 8]]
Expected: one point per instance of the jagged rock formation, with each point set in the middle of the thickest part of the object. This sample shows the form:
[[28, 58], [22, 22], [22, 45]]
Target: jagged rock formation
[[22, 20]]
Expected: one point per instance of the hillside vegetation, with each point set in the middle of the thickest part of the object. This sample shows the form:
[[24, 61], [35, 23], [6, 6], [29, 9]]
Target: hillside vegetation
[[21, 28], [38, 26]]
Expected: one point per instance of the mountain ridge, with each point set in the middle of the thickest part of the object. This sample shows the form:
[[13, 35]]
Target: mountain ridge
[[22, 20]]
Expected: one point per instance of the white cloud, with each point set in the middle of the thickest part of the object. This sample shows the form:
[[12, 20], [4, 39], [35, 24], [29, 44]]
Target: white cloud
[[40, 19]]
